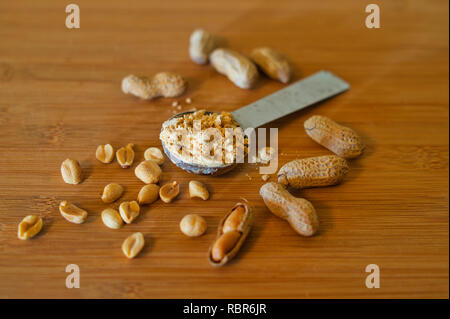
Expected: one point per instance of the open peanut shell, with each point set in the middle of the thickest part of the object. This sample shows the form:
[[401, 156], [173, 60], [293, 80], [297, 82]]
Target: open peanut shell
[[243, 228]]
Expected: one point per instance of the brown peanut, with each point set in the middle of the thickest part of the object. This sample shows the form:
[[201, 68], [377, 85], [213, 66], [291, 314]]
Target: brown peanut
[[148, 171], [112, 192], [129, 211], [148, 194], [231, 234], [313, 172], [72, 213], [29, 227], [125, 156], [133, 245], [71, 171], [111, 218], [201, 44], [169, 191], [339, 139], [193, 225], [163, 84], [105, 153], [198, 189], [154, 154], [298, 212], [272, 63], [238, 68]]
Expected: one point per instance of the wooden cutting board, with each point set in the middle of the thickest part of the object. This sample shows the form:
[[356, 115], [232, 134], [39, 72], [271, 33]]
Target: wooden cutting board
[[60, 97]]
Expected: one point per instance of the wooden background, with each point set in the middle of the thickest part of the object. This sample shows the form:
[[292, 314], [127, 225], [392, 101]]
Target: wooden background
[[60, 97]]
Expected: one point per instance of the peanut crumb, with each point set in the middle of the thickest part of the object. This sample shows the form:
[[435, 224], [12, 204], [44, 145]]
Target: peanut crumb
[[175, 103], [265, 177], [188, 100]]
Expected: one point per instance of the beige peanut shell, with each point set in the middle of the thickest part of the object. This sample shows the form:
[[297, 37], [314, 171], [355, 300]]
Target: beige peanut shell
[[201, 44], [272, 63], [298, 212], [163, 84], [239, 69], [318, 171], [339, 139], [244, 228]]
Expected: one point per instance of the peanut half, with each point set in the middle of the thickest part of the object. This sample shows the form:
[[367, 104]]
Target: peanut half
[[111, 218], [231, 234], [339, 139], [133, 245], [238, 68], [112, 192], [201, 44], [105, 153], [148, 171], [313, 171], [125, 156], [193, 225], [29, 227], [72, 213], [163, 84], [198, 189], [169, 191], [272, 63], [71, 171], [129, 211], [299, 212], [148, 194], [154, 154]]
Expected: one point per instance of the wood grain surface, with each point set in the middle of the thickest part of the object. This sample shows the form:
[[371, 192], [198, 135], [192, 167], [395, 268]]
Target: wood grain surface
[[60, 97]]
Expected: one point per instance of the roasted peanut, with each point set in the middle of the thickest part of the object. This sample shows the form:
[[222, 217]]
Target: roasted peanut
[[133, 245], [239, 69], [148, 194], [273, 64], [163, 84], [299, 212], [193, 225], [198, 189], [235, 219], [105, 153], [148, 171], [313, 171], [29, 227], [201, 44], [231, 234], [112, 192], [72, 213], [339, 139], [154, 154], [169, 191], [224, 244], [125, 156], [71, 171], [111, 218], [129, 211]]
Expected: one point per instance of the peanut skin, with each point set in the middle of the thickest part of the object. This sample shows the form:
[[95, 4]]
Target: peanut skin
[[272, 63], [238, 68], [224, 244], [163, 84], [313, 172], [339, 139], [298, 212]]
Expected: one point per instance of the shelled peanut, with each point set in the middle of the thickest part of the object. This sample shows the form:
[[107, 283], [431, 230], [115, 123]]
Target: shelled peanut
[[231, 234], [105, 153], [193, 225], [239, 69], [71, 171], [313, 172], [148, 171], [339, 139], [272, 63], [163, 84], [125, 156], [298, 212], [29, 227], [112, 192], [72, 213], [133, 244]]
